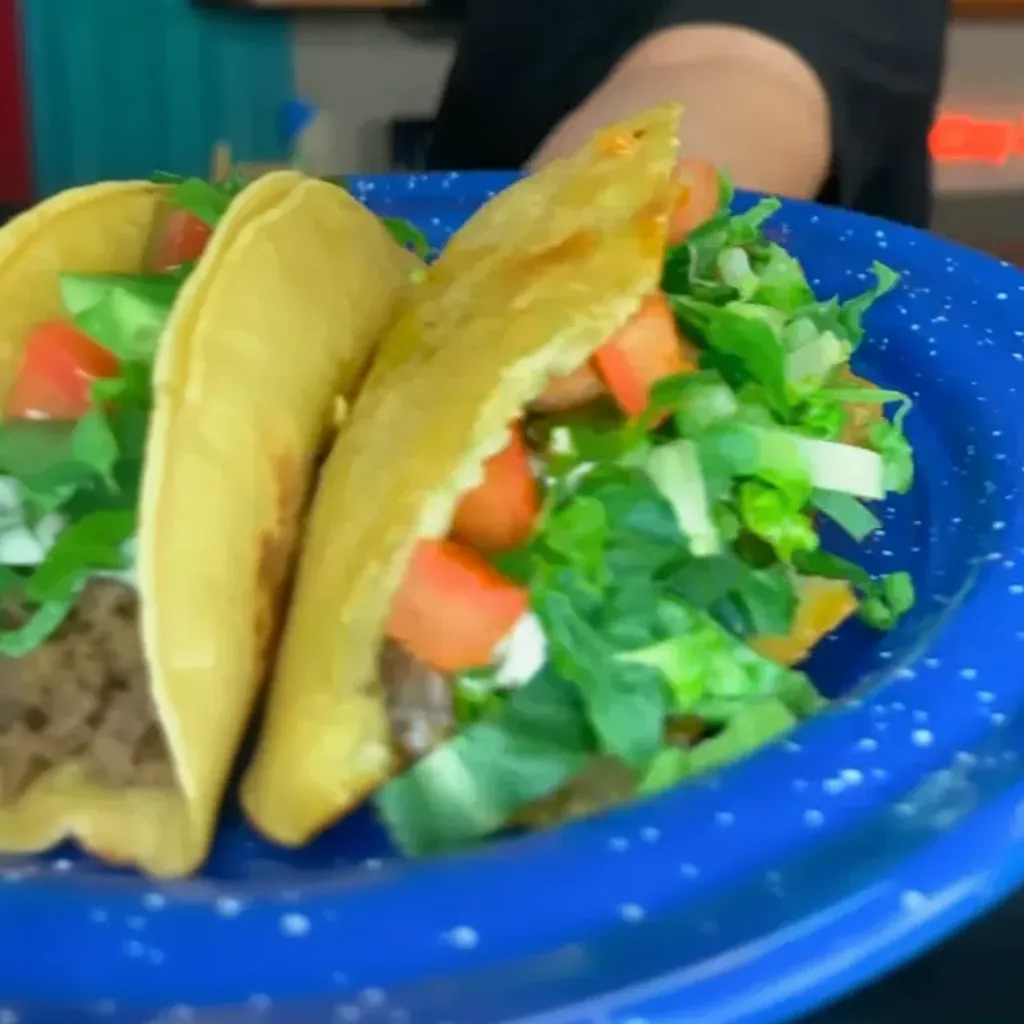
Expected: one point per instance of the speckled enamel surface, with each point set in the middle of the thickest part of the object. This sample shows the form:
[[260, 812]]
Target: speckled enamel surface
[[750, 896]]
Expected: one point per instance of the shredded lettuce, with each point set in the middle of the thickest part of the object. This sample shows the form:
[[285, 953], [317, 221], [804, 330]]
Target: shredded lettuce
[[668, 543], [85, 476]]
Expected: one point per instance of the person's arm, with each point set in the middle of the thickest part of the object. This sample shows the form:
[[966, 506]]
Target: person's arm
[[753, 106]]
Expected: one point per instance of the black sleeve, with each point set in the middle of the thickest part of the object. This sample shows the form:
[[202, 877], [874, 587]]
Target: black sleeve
[[522, 65]]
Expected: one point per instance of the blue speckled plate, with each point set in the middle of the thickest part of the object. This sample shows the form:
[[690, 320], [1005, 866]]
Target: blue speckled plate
[[752, 896]]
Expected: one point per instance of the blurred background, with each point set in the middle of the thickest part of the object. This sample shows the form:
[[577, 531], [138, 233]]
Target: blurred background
[[96, 89]]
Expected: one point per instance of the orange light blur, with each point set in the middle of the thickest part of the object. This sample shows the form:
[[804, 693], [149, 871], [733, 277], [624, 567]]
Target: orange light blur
[[962, 138]]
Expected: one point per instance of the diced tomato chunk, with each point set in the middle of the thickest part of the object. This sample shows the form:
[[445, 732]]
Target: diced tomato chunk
[[453, 607], [180, 237], [646, 349], [56, 374], [699, 199], [500, 512]]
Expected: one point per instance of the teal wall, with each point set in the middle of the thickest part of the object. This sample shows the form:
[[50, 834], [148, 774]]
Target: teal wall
[[120, 88]]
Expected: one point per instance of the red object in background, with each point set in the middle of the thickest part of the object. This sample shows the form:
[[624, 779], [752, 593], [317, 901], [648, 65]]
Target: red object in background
[[15, 167], [961, 138]]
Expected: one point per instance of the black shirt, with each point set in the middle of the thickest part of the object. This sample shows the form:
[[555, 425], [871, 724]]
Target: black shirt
[[522, 65]]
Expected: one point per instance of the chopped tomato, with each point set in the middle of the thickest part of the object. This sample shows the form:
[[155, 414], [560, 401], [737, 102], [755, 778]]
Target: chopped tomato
[[698, 201], [571, 390], [180, 238], [646, 349], [500, 513], [453, 607], [57, 370]]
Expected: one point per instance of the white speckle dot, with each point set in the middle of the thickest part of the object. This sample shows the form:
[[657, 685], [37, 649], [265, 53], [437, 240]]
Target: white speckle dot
[[347, 1012], [373, 997], [919, 716], [932, 663], [1001, 296], [968, 673], [833, 787], [868, 744], [136, 922], [259, 1001], [295, 925], [997, 718], [1016, 589], [725, 818], [156, 957], [689, 870], [373, 863], [632, 913], [650, 834], [134, 948], [792, 747], [63, 865], [986, 696], [814, 818], [965, 759], [618, 843], [464, 937], [851, 776], [637, 1020], [228, 906], [800, 785], [913, 900], [154, 901], [905, 673], [922, 738]]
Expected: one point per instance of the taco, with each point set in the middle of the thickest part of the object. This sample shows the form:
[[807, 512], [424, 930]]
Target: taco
[[170, 357], [566, 552]]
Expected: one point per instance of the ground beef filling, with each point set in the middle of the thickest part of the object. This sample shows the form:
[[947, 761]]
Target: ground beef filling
[[82, 696], [420, 701]]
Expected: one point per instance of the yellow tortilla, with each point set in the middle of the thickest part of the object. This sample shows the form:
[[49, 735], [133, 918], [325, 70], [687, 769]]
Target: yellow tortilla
[[281, 316], [530, 287]]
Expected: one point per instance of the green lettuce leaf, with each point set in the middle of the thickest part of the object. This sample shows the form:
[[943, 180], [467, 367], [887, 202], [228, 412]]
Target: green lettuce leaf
[[473, 785]]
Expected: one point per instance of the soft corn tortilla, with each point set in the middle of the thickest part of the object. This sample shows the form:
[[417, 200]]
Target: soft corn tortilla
[[281, 315], [530, 287]]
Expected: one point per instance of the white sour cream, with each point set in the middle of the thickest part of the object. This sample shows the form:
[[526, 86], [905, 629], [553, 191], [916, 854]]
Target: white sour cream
[[522, 654]]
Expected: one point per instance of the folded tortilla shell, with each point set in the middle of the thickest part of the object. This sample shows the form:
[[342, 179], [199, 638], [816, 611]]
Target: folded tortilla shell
[[530, 287], [281, 315]]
